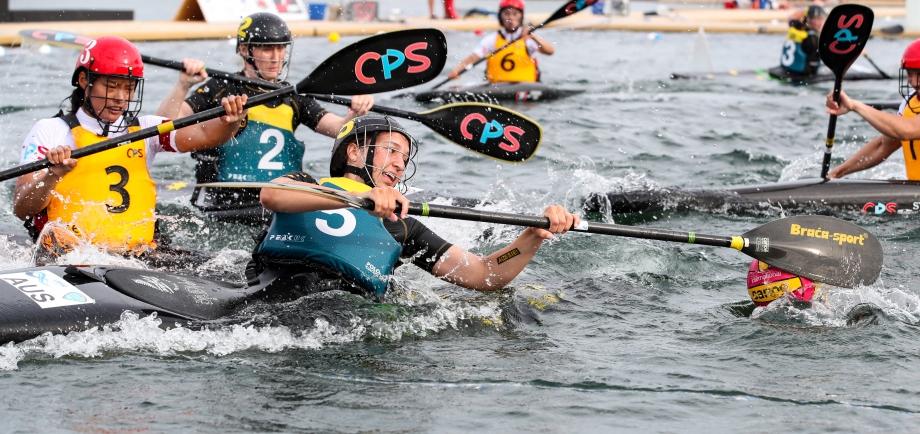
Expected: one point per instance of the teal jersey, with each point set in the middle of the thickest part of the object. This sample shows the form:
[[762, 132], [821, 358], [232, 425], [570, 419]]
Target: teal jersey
[[265, 150]]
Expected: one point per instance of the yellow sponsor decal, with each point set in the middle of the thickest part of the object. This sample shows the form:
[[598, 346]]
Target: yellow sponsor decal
[[771, 291], [839, 237], [350, 125], [177, 186]]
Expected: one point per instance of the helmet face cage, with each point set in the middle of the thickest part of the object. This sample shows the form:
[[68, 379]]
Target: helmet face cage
[[368, 140], [134, 101], [906, 89], [286, 61]]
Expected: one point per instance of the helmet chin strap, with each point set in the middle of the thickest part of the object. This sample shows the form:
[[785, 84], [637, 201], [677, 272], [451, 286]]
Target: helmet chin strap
[[365, 172]]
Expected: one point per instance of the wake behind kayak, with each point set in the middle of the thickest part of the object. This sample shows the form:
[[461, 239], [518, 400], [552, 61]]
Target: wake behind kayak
[[521, 92]]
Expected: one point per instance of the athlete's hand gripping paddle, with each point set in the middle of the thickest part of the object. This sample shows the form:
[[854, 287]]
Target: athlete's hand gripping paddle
[[821, 248], [490, 130], [569, 8], [843, 38], [337, 74]]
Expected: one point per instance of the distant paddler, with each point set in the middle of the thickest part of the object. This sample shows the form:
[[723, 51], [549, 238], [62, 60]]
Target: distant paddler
[[317, 244], [107, 198], [897, 131], [800, 51], [265, 147], [515, 63]]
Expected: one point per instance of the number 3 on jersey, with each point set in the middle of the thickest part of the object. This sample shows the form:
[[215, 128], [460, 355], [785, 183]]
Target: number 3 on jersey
[[119, 187], [788, 57]]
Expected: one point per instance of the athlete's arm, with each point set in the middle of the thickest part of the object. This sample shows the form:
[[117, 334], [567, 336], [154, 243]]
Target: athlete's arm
[[455, 73], [544, 46], [292, 202], [893, 126], [32, 193], [495, 271], [330, 124], [870, 155], [215, 131], [174, 105]]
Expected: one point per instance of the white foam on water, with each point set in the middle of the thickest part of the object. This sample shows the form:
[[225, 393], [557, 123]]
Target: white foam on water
[[832, 305]]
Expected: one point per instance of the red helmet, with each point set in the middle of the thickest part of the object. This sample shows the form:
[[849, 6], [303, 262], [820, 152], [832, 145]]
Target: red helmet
[[109, 55], [911, 57], [517, 4]]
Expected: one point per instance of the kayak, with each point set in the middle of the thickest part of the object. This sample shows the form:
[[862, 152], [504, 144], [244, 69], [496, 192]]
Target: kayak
[[870, 197], [521, 92], [856, 72], [62, 299]]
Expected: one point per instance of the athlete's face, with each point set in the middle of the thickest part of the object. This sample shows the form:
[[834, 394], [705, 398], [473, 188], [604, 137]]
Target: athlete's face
[[269, 60], [391, 156], [511, 18], [816, 23], [110, 96], [913, 77]]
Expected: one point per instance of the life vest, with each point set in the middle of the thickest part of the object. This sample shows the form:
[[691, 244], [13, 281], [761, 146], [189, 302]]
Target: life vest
[[794, 58], [109, 197], [349, 240], [512, 64], [264, 150], [911, 147]]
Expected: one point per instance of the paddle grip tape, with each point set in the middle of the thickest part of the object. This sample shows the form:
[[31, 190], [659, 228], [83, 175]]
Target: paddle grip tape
[[829, 143], [738, 243], [425, 209], [165, 128]]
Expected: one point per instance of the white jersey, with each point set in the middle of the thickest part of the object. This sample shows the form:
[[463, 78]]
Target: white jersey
[[52, 133], [487, 45], [904, 104]]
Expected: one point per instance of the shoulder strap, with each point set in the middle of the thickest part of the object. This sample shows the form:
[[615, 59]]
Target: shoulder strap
[[70, 119]]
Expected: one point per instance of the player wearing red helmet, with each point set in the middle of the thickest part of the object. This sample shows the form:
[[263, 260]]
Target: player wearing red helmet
[[108, 197], [901, 131], [515, 63], [266, 146]]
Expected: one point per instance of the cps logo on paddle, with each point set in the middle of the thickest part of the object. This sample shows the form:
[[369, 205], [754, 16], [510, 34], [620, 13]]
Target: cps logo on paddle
[[391, 60], [493, 129], [845, 36]]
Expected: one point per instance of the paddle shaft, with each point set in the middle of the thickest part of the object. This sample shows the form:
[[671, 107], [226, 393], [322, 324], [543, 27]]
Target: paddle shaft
[[871, 62], [146, 132], [831, 130], [467, 214]]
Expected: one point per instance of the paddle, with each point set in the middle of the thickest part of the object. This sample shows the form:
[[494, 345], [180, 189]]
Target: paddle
[[521, 142], [569, 8], [871, 62], [339, 73], [825, 249], [842, 40]]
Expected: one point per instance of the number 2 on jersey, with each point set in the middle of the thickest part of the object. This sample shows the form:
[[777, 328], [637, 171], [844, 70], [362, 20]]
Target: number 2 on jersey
[[266, 163]]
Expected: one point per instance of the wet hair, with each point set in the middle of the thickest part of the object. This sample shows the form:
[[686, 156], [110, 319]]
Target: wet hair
[[77, 98]]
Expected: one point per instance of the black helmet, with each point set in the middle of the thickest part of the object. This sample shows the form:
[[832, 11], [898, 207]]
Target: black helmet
[[261, 29], [363, 131], [814, 11]]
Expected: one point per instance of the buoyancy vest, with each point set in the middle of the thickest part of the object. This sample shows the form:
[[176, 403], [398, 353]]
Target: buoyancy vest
[[349, 240], [109, 197], [265, 149], [794, 58], [911, 147], [512, 64]]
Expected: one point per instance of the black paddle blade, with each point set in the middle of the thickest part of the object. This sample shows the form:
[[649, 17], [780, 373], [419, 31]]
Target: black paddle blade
[[380, 63], [488, 129], [845, 34], [52, 37], [821, 248], [570, 8]]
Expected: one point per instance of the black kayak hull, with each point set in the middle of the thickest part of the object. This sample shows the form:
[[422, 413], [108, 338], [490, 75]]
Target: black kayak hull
[[870, 197], [63, 299], [498, 92], [781, 74]]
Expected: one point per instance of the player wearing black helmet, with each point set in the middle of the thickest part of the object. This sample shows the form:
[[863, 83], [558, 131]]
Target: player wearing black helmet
[[800, 51], [265, 147], [313, 242]]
